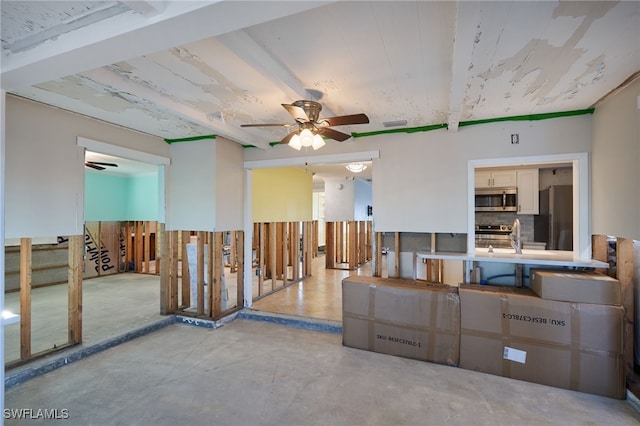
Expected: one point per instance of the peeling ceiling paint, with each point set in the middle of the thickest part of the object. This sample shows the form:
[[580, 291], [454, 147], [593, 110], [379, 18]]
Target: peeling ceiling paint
[[425, 62]]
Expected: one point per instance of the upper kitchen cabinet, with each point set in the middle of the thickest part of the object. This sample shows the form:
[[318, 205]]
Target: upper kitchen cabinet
[[528, 198], [495, 178]]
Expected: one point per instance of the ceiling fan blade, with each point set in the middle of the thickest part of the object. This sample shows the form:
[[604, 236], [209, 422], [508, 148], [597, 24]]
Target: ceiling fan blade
[[266, 125], [343, 120], [93, 166], [102, 164], [297, 113], [334, 134], [287, 138]]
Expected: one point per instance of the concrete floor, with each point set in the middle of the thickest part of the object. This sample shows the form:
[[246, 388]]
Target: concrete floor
[[251, 372], [256, 373]]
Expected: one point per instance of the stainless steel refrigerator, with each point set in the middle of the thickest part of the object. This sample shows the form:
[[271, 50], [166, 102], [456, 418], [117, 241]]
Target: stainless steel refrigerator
[[554, 224]]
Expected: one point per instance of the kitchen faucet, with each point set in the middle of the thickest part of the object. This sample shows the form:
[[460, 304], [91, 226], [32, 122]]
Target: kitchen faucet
[[515, 236]]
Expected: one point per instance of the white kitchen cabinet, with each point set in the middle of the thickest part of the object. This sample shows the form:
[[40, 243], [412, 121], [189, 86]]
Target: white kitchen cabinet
[[528, 198], [495, 178]]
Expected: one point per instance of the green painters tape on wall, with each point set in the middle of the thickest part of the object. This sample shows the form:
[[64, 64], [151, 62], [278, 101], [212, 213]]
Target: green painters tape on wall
[[529, 117]]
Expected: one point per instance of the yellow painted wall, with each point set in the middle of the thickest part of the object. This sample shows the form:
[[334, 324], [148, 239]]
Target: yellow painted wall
[[282, 195]]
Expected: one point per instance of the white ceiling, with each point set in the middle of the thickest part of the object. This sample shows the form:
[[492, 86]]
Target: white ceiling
[[187, 69]]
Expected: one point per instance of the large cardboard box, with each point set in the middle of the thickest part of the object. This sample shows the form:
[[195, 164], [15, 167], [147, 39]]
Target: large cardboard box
[[513, 333], [389, 316], [575, 286]]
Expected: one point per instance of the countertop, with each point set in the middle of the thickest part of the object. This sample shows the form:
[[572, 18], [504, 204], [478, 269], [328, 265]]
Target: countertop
[[528, 257]]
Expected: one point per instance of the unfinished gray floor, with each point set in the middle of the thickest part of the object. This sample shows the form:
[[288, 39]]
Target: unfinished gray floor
[[256, 373]]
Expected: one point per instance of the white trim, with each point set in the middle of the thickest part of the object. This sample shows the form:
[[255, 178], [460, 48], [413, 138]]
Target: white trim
[[319, 159], [581, 195], [120, 151]]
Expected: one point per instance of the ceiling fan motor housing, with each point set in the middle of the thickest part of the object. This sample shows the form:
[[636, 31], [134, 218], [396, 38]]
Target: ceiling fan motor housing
[[311, 108]]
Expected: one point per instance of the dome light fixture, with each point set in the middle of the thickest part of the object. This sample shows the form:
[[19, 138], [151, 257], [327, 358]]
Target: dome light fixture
[[356, 167]]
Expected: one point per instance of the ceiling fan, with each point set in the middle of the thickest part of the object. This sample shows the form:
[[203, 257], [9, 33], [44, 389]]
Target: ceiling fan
[[99, 165], [307, 116]]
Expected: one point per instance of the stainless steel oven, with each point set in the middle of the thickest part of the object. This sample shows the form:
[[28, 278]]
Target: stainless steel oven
[[497, 236]]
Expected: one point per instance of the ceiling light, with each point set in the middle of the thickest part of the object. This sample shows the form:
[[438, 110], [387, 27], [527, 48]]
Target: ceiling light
[[318, 142], [394, 123], [356, 167], [306, 137], [295, 143]]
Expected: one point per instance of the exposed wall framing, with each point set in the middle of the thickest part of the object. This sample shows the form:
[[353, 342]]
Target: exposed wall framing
[[199, 284], [283, 254], [348, 244]]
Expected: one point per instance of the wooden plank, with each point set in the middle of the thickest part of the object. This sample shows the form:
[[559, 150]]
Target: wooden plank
[[138, 247], [261, 259], [163, 253], [25, 298], [625, 270], [147, 247], [174, 270], [240, 269], [184, 271], [352, 234], [76, 251], [233, 252], [378, 254], [284, 245], [200, 271], [273, 253], [211, 265], [217, 270], [600, 250], [396, 241], [330, 245], [295, 250]]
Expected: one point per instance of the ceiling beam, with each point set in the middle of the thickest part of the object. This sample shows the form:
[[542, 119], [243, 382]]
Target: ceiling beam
[[170, 105], [464, 44], [255, 55], [131, 35]]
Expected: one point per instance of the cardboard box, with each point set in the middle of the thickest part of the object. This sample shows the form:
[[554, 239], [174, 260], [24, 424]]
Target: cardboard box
[[392, 317], [513, 333], [575, 286]]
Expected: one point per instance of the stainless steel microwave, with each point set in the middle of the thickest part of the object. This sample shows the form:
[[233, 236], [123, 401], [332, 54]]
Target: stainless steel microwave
[[497, 199]]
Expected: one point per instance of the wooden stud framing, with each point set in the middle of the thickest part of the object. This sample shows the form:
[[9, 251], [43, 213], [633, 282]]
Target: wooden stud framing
[[378, 254], [330, 247], [161, 240], [285, 253], [174, 270], [396, 241], [200, 272], [352, 244], [232, 256], [138, 241], [273, 253], [295, 250], [185, 275], [25, 298], [600, 249], [217, 270], [625, 270], [76, 246], [147, 247], [261, 259], [240, 268]]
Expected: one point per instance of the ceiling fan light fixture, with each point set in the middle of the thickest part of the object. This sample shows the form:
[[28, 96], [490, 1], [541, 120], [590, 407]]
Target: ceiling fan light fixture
[[306, 138], [295, 143], [318, 142], [356, 167]]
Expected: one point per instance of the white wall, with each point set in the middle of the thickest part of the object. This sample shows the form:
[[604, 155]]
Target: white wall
[[192, 186], [44, 174], [615, 175], [339, 199], [229, 181], [420, 179]]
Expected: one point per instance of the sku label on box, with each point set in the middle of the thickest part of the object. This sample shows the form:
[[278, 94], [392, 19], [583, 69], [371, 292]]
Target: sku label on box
[[514, 355]]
